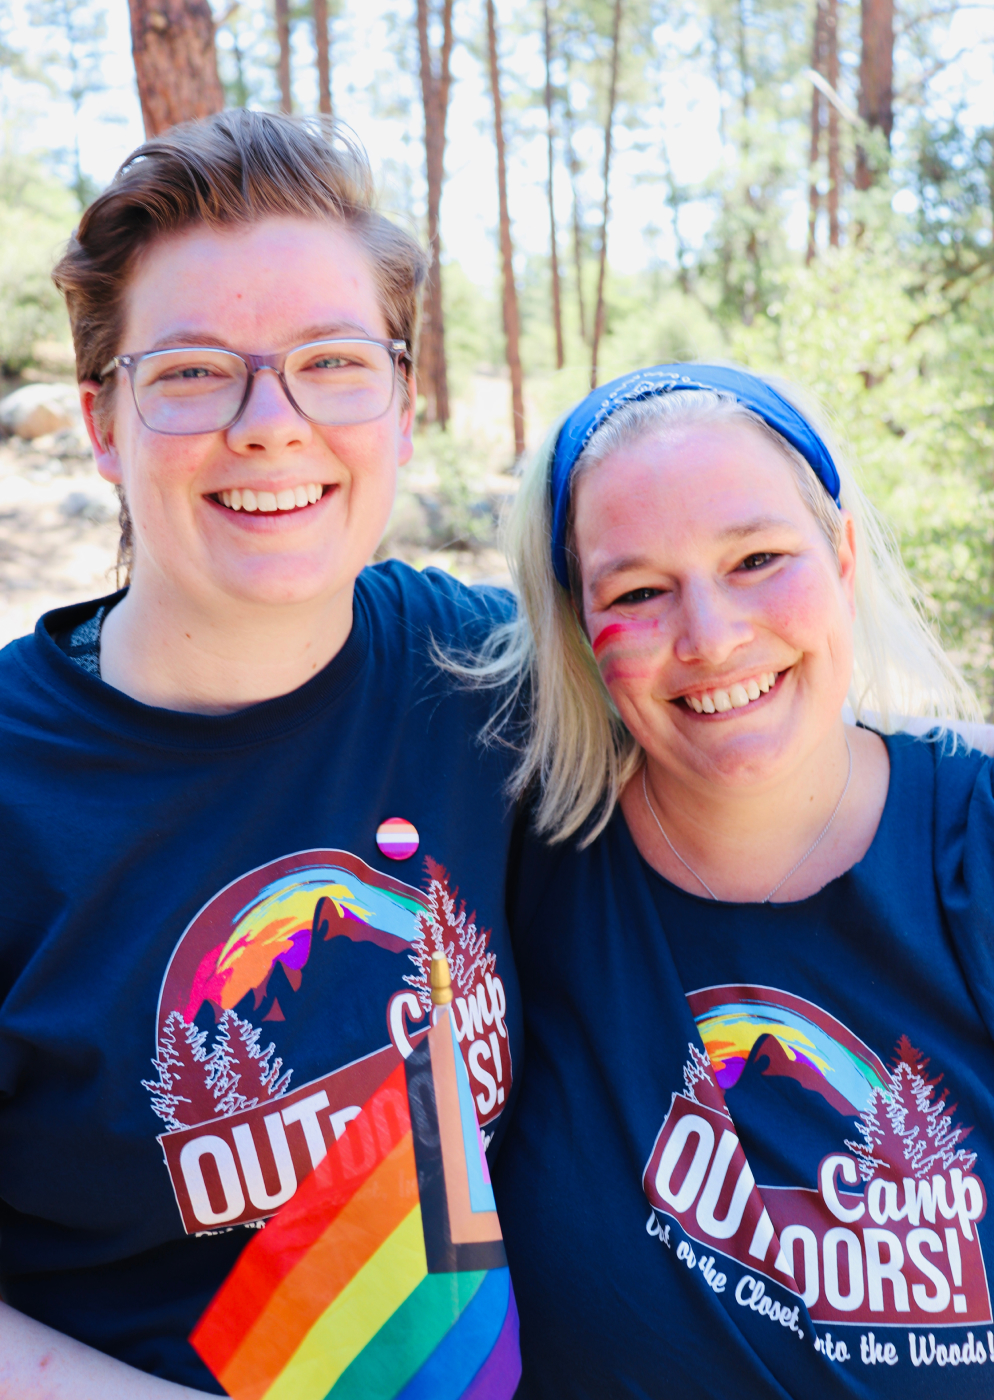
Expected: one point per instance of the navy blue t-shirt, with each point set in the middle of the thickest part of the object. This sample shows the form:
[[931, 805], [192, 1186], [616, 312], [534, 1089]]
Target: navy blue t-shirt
[[751, 1152], [212, 950]]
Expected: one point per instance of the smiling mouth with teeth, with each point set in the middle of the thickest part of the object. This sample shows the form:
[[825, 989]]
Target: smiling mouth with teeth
[[736, 697], [290, 498]]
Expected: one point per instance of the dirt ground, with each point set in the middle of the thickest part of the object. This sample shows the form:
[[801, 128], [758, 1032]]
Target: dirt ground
[[58, 530]]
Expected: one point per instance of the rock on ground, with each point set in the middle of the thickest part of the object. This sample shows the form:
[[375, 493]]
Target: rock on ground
[[36, 409], [58, 530]]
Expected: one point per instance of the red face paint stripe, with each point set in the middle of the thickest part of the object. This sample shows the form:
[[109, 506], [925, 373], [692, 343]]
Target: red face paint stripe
[[612, 630], [633, 631]]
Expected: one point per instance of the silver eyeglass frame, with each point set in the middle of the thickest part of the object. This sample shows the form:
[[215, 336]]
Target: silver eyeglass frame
[[254, 364]]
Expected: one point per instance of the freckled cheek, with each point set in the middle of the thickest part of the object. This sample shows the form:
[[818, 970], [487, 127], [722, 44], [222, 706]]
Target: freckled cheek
[[161, 476]]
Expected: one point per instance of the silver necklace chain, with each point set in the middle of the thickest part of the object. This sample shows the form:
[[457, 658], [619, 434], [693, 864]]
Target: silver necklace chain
[[793, 869]]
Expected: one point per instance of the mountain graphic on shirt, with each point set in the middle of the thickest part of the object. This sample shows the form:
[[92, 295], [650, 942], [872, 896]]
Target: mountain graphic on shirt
[[770, 1059], [311, 940]]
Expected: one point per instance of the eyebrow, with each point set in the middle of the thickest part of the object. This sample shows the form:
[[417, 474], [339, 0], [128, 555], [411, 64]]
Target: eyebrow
[[182, 338], [757, 526], [620, 566]]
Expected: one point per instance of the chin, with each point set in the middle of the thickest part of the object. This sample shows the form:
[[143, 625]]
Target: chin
[[743, 760], [291, 585]]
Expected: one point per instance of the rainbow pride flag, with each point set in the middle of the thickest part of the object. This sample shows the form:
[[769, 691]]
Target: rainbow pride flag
[[385, 1275]]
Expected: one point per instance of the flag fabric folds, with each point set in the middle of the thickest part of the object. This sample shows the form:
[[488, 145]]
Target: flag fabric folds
[[385, 1275]]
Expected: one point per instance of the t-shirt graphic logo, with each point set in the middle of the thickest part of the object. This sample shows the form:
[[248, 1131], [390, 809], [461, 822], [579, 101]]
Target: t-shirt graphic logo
[[886, 1232], [262, 982]]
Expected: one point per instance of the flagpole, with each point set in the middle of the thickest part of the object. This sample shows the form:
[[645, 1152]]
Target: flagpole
[[441, 986]]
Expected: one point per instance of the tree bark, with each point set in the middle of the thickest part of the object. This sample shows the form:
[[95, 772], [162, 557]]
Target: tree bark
[[832, 73], [175, 61], [512, 321], [436, 80], [876, 79], [322, 48], [817, 107], [283, 61], [557, 311], [605, 210]]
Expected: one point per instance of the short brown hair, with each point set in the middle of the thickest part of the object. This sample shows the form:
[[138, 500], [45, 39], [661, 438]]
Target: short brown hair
[[235, 167]]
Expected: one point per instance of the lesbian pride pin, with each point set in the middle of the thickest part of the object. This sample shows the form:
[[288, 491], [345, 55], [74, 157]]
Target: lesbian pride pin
[[397, 838]]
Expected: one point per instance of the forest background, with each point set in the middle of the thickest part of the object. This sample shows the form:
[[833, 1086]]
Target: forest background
[[806, 186]]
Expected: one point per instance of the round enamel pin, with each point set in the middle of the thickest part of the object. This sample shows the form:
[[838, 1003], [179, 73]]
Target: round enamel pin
[[397, 838]]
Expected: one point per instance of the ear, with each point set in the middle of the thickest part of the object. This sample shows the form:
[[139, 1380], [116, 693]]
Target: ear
[[101, 438], [847, 560], [406, 423]]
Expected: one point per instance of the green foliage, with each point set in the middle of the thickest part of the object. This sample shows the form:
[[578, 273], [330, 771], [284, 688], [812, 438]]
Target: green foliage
[[474, 338], [37, 213], [953, 178], [459, 514], [651, 320]]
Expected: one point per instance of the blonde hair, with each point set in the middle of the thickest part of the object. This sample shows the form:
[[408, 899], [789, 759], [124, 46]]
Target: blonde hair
[[576, 750]]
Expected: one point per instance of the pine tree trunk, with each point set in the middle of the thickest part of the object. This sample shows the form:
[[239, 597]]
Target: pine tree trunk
[[175, 61], [512, 322], [322, 49], [435, 96], [876, 79], [283, 61], [817, 107], [557, 312], [605, 210], [832, 73]]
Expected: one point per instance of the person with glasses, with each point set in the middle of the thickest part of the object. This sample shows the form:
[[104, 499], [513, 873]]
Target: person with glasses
[[241, 804]]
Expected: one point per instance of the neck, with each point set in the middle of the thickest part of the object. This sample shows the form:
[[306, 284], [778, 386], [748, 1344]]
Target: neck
[[742, 844], [177, 653]]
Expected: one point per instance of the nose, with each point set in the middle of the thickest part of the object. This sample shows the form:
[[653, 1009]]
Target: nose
[[710, 626], [269, 422]]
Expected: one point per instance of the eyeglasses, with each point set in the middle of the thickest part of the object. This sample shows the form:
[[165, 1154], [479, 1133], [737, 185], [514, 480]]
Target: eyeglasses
[[199, 389]]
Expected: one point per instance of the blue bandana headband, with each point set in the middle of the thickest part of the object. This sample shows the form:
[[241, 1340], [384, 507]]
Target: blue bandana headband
[[597, 407]]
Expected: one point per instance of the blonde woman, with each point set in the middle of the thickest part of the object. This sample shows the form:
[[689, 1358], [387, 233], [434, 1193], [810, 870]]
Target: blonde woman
[[755, 942]]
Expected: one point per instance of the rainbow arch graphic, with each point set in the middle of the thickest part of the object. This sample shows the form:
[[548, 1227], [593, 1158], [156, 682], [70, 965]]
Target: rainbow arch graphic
[[273, 914], [818, 1050]]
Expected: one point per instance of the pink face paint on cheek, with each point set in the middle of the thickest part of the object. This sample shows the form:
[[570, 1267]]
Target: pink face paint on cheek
[[625, 650]]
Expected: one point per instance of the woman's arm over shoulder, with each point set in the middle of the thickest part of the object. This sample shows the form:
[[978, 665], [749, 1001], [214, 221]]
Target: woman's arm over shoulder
[[39, 1364]]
